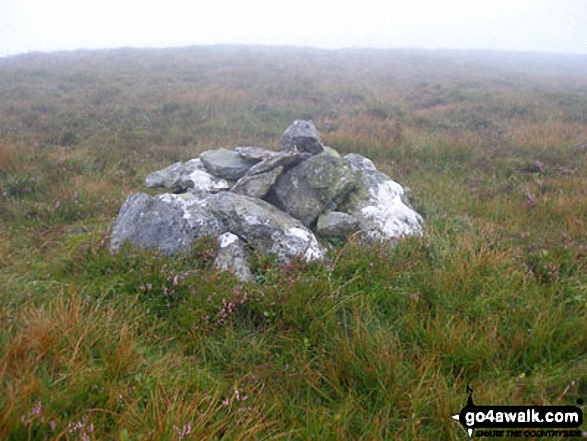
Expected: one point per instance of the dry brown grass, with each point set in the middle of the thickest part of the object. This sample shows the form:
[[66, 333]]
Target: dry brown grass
[[5, 249], [545, 134], [7, 155]]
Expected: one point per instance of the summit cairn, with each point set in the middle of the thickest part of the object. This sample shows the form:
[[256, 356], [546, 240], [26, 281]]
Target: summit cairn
[[273, 202]]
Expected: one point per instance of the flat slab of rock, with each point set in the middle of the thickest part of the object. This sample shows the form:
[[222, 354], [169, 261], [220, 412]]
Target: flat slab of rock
[[376, 202], [232, 257], [265, 228], [284, 158], [305, 190], [167, 222], [257, 185], [303, 136], [226, 164], [336, 224], [254, 153]]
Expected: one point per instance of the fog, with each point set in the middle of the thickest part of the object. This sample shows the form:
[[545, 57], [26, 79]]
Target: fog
[[520, 25]]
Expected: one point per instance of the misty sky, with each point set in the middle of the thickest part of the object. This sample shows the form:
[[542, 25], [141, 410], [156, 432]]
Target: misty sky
[[529, 25]]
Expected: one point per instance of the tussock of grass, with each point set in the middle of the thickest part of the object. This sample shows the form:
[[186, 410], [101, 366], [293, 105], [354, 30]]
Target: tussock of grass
[[375, 342]]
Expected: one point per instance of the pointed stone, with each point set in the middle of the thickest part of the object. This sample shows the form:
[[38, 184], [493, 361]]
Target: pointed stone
[[303, 136]]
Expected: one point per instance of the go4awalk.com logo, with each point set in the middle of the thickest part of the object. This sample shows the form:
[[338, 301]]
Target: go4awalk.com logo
[[520, 421]]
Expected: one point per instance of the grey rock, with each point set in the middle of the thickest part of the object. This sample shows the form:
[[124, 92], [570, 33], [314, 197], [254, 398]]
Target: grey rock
[[194, 164], [303, 136], [196, 174], [307, 189], [336, 224], [232, 257], [284, 158], [180, 176], [376, 202], [358, 162], [167, 177], [226, 164], [254, 153], [204, 181], [264, 227], [168, 222], [257, 185]]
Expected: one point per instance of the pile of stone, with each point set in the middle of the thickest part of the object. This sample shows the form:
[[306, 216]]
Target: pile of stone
[[275, 202]]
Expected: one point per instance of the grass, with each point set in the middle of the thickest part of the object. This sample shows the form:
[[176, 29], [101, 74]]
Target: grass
[[373, 343]]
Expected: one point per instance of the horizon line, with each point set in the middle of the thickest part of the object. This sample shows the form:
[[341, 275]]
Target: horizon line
[[292, 46]]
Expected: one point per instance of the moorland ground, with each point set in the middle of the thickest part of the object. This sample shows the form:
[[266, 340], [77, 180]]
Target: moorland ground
[[374, 343]]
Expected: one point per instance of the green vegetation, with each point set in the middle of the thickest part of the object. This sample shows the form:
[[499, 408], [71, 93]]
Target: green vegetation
[[376, 343]]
